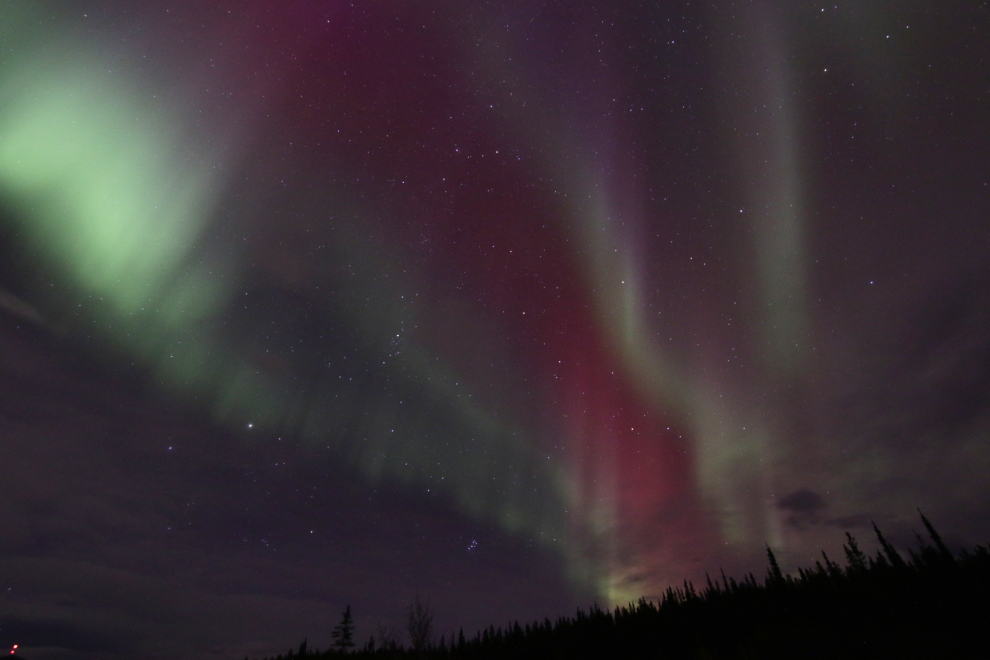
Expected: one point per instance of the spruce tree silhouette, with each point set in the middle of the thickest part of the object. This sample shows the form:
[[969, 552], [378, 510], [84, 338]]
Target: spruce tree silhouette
[[855, 556], [943, 551], [892, 555], [774, 575], [343, 634], [932, 605]]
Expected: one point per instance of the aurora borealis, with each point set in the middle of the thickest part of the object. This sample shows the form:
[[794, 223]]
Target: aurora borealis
[[514, 305]]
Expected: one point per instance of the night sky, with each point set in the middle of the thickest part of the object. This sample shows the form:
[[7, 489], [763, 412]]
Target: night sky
[[514, 306]]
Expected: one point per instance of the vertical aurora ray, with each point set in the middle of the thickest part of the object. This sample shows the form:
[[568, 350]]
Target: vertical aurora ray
[[672, 435], [633, 472], [746, 439], [625, 403]]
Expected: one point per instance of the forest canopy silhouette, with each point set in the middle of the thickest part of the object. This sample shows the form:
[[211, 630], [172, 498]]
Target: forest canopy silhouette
[[931, 604]]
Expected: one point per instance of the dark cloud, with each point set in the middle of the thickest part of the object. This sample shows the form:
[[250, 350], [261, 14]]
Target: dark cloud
[[804, 507], [802, 502]]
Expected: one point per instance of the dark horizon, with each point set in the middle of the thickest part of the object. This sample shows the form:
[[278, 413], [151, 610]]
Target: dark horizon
[[927, 603], [516, 307]]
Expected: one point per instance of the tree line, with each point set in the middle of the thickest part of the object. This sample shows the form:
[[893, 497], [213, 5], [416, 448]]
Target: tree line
[[931, 604]]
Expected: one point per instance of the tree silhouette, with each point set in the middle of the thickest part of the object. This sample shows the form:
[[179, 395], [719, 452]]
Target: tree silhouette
[[855, 556], [892, 555], [773, 571], [932, 605], [419, 624], [343, 634], [943, 551], [389, 638]]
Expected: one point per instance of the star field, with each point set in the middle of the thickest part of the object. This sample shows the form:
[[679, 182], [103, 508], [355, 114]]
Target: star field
[[516, 306]]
